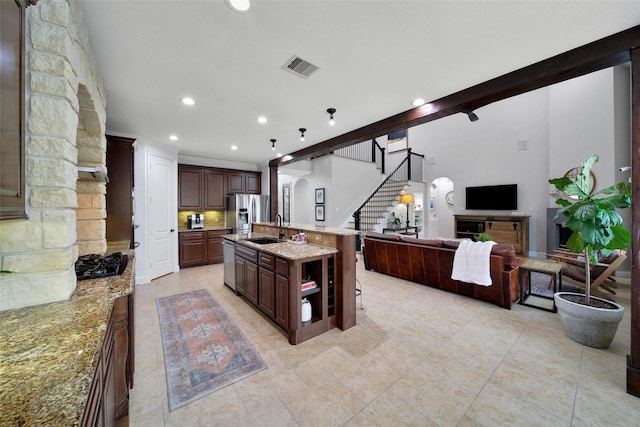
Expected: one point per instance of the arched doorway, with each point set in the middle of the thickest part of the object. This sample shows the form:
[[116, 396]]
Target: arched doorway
[[439, 209]]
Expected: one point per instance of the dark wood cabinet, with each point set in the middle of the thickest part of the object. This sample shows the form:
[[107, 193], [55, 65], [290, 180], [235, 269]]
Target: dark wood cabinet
[[200, 247], [282, 301], [12, 93], [241, 280], [190, 188], [244, 182], [108, 399], [202, 188], [214, 245], [251, 284], [192, 248], [214, 194], [267, 292], [119, 198]]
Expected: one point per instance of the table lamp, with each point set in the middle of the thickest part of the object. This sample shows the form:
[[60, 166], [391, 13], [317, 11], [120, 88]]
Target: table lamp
[[407, 198]]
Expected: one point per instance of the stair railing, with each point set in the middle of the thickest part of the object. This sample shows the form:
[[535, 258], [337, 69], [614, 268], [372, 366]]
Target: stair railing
[[407, 170], [368, 151]]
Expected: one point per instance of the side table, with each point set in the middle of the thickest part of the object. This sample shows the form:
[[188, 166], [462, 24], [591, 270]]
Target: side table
[[553, 269]]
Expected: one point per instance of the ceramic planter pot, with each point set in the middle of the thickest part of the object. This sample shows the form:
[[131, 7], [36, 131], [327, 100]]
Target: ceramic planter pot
[[591, 326]]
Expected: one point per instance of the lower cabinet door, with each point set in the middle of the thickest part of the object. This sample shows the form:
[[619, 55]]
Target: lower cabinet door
[[241, 275], [192, 249], [267, 292], [251, 280], [282, 301]]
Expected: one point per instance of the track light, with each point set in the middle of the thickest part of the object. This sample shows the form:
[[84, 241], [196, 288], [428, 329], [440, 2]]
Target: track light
[[472, 116], [273, 144], [302, 131], [331, 111]]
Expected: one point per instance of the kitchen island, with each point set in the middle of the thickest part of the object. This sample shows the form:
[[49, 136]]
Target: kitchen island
[[270, 275], [66, 363]]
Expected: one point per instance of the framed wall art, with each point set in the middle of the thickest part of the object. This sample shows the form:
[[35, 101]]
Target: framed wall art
[[319, 196], [397, 141], [319, 212]]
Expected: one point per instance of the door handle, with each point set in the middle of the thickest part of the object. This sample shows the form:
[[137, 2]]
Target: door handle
[[136, 244], [172, 230]]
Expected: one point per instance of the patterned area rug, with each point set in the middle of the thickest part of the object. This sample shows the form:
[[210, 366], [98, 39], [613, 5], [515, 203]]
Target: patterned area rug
[[204, 349]]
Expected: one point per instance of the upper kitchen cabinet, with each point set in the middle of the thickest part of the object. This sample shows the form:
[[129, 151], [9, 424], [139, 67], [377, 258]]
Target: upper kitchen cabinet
[[190, 188], [215, 182], [201, 188], [243, 182]]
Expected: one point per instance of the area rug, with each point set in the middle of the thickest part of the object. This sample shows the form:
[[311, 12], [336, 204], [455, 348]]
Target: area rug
[[204, 349]]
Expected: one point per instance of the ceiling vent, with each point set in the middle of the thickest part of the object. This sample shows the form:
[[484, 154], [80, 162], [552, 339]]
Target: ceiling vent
[[300, 67]]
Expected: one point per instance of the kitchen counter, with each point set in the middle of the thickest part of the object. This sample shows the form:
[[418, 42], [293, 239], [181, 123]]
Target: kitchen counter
[[211, 228], [287, 249], [49, 352], [320, 229]]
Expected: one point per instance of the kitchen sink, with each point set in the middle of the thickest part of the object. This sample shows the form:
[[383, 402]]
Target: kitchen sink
[[264, 240]]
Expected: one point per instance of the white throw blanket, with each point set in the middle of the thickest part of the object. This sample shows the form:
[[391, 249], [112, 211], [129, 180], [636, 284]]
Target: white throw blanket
[[471, 262]]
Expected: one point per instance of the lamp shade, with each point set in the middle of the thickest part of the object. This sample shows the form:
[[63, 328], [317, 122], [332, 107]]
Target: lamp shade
[[407, 198]]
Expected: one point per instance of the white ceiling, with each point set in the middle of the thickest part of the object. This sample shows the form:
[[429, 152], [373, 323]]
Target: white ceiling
[[375, 57]]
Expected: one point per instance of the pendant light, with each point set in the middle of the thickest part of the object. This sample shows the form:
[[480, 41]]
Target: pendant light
[[302, 131], [331, 111], [273, 144]]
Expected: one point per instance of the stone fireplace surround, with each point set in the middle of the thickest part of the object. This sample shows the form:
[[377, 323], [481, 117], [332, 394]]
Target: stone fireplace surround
[[65, 127]]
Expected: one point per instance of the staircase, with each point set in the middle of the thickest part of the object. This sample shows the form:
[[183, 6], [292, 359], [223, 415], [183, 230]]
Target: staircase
[[377, 208], [387, 195]]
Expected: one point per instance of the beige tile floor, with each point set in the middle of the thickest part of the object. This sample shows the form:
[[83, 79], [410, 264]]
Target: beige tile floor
[[417, 356]]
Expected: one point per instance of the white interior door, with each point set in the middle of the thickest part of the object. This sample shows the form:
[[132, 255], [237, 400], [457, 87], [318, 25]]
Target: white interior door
[[162, 216]]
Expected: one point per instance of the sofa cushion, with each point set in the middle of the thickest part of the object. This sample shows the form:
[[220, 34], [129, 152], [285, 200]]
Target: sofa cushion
[[424, 242], [507, 252], [451, 244]]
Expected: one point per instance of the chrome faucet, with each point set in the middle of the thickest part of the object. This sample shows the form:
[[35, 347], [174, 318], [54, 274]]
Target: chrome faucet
[[279, 224]]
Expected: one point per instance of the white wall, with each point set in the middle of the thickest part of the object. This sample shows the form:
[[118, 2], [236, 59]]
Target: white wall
[[487, 152]]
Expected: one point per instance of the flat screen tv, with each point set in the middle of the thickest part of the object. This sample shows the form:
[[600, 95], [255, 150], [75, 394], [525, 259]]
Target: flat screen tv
[[493, 197]]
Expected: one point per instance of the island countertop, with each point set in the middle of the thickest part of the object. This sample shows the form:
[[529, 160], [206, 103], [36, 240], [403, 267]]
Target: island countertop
[[49, 352], [315, 228], [287, 249]]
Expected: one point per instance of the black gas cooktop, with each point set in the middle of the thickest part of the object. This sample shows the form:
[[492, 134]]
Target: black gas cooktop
[[94, 266]]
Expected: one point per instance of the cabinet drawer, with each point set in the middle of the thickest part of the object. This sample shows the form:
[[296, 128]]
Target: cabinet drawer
[[247, 253], [193, 235], [267, 260], [217, 234], [282, 267]]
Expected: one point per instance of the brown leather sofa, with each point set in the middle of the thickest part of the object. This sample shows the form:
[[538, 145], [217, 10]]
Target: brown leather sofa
[[430, 262]]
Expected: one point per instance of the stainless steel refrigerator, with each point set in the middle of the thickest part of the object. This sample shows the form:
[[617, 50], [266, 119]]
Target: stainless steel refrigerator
[[245, 209]]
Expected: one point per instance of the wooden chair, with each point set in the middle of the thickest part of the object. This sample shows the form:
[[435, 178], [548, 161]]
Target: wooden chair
[[601, 273]]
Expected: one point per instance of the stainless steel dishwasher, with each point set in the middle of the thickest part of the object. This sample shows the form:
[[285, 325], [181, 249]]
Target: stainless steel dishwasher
[[229, 254]]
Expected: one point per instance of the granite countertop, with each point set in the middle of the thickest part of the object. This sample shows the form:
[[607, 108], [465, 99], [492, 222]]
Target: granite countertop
[[49, 352], [287, 249], [314, 227], [211, 228]]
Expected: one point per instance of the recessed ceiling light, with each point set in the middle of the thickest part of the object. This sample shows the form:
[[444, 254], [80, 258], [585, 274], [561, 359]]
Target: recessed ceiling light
[[234, 147], [240, 5], [188, 101], [418, 102], [173, 137], [279, 154], [262, 119]]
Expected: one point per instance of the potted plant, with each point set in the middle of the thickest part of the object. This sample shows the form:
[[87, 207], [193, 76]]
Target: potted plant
[[483, 237], [597, 229], [395, 220]]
